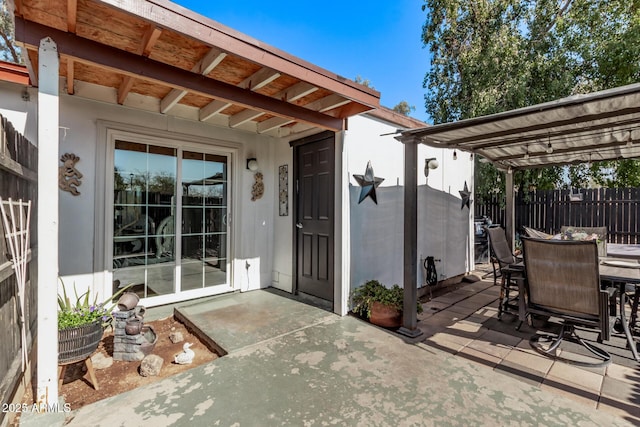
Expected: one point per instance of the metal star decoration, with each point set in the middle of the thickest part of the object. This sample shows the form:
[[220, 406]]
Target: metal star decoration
[[369, 183], [466, 197]]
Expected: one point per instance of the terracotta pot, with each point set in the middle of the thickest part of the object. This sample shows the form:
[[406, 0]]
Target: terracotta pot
[[385, 316], [128, 301]]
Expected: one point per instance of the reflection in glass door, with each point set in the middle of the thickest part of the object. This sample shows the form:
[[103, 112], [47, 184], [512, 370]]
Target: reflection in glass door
[[146, 240], [204, 220], [143, 218]]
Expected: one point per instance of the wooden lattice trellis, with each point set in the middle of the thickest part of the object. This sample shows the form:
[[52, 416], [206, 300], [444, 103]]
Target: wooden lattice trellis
[[16, 217]]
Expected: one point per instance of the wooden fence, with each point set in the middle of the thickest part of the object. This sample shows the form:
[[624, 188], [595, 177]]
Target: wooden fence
[[18, 180], [618, 209]]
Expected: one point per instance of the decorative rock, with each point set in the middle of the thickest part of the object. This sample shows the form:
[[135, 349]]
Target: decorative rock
[[176, 336], [151, 365], [100, 361], [128, 357]]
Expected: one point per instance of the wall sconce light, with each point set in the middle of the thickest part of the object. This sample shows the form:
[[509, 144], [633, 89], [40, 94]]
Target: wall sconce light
[[526, 153], [431, 163], [252, 164], [455, 155]]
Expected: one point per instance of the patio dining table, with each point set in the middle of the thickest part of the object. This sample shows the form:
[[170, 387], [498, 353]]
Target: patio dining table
[[621, 274], [618, 272]]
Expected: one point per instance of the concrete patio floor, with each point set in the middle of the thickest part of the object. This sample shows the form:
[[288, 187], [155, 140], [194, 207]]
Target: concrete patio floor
[[289, 363]]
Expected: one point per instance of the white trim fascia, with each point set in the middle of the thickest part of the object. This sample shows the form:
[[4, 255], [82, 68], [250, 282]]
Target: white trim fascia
[[342, 267]]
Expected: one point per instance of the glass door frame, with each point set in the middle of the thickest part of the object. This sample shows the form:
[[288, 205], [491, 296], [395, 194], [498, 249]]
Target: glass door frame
[[180, 143]]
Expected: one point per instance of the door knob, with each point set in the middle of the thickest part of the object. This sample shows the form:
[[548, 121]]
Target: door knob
[[299, 224]]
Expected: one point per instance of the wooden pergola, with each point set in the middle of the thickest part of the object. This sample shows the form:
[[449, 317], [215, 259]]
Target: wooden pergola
[[157, 49], [579, 129]]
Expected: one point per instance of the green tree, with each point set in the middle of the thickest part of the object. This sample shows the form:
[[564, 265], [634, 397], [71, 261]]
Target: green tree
[[404, 108], [8, 50], [363, 82], [498, 55]]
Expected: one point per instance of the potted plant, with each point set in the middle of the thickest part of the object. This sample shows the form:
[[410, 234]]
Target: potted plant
[[81, 324], [382, 306]]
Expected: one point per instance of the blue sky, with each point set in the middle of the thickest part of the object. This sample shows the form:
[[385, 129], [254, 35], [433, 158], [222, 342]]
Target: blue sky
[[378, 40]]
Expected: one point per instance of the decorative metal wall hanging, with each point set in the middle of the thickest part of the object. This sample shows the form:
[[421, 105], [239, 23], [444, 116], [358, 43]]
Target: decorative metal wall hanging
[[369, 182], [466, 197], [258, 187], [283, 190], [68, 176]]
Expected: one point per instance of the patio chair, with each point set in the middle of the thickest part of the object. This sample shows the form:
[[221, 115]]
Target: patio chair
[[562, 281], [501, 259]]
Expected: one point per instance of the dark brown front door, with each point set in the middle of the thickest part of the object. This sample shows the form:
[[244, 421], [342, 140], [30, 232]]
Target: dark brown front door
[[314, 170]]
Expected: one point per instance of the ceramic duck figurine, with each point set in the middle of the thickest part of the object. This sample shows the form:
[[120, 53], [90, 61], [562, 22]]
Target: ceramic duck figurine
[[186, 356]]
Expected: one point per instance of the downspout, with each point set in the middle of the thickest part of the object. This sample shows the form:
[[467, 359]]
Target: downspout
[[410, 284], [48, 146]]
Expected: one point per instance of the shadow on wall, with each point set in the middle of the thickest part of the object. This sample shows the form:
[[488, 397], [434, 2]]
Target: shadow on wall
[[377, 235]]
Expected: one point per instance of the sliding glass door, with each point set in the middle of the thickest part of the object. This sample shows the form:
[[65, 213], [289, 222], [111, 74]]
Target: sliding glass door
[[149, 250], [204, 220]]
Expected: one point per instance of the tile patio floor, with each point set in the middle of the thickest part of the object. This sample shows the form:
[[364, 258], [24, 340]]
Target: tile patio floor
[[464, 323]]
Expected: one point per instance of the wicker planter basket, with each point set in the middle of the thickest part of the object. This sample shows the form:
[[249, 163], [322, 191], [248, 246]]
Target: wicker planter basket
[[79, 342]]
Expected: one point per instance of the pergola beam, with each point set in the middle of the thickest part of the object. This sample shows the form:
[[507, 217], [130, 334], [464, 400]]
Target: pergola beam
[[87, 51]]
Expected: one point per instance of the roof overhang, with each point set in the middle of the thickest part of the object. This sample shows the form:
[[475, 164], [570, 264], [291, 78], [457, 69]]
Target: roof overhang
[[161, 51], [13, 73], [579, 129]]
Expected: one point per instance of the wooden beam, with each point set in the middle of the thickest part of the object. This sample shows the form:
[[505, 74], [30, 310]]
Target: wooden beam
[[212, 108], [125, 88], [127, 63], [197, 27], [243, 117], [290, 94], [259, 79], [206, 64], [17, 7], [31, 61], [273, 123], [150, 38], [70, 75], [72, 15], [328, 103], [297, 91]]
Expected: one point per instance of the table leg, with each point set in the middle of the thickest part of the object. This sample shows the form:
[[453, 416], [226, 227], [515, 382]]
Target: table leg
[[92, 373], [61, 371], [625, 326]]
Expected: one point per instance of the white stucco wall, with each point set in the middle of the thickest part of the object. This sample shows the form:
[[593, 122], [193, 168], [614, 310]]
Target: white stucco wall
[[81, 121], [444, 229], [369, 239], [282, 274]]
